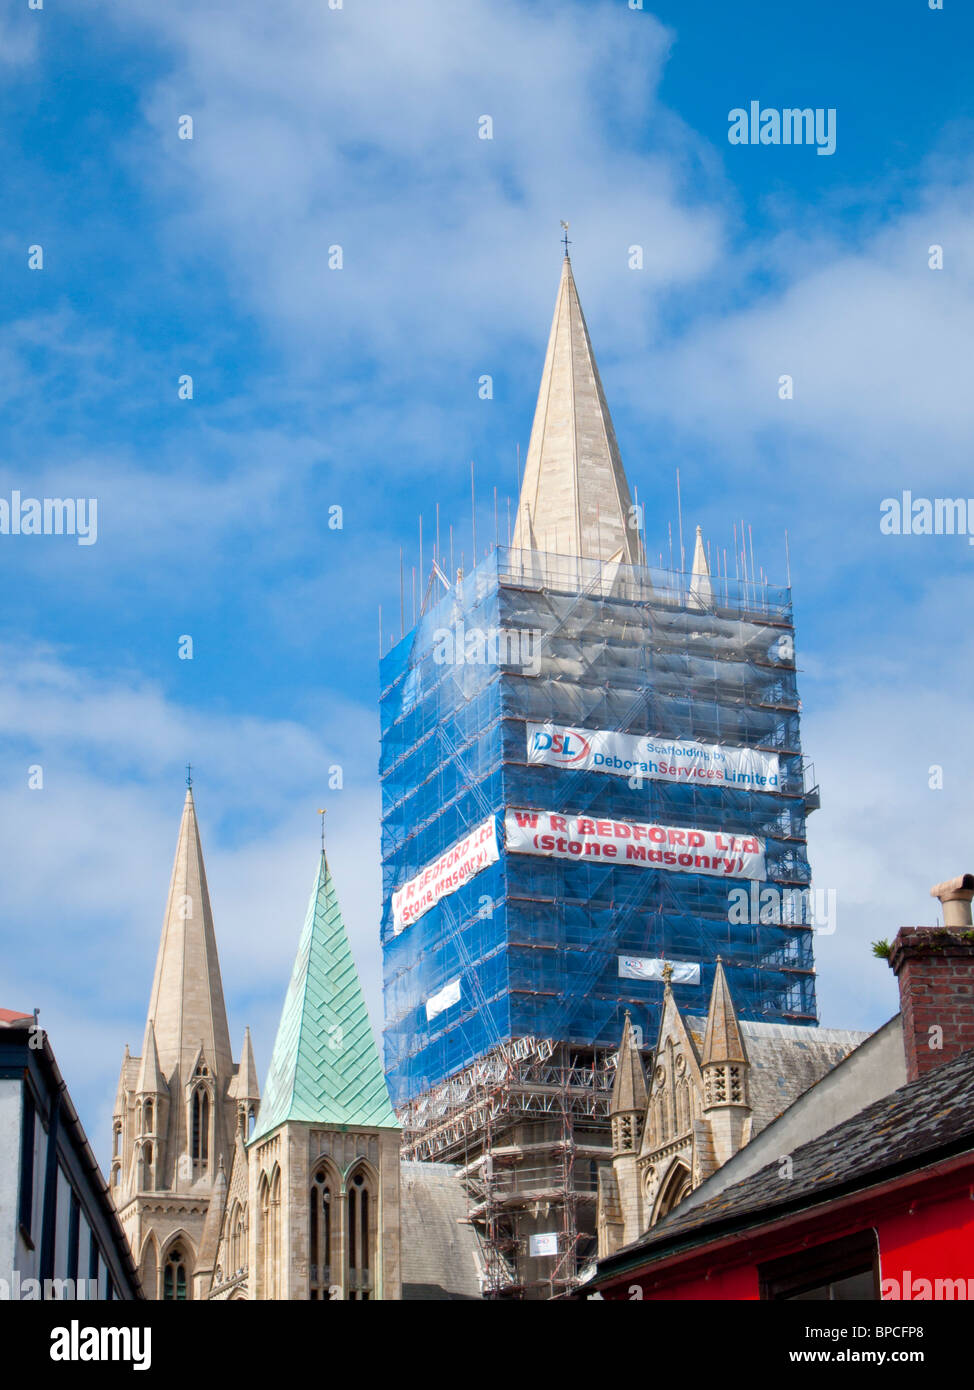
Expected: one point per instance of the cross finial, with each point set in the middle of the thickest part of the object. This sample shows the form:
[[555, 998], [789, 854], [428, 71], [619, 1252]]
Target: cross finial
[[322, 813], [567, 243], [189, 774]]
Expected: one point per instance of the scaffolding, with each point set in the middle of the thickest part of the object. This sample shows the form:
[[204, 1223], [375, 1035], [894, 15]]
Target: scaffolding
[[531, 947], [528, 1127]]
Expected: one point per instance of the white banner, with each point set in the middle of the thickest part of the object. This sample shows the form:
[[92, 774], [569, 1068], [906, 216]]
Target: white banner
[[684, 972], [445, 875], [449, 994], [633, 842], [543, 1243], [662, 759]]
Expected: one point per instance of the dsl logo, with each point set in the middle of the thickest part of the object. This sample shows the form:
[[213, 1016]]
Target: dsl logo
[[569, 746]]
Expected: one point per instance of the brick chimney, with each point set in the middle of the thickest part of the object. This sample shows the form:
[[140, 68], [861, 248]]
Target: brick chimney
[[934, 967]]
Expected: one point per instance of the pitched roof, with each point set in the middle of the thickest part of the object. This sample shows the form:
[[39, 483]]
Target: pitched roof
[[12, 1018], [187, 1006], [325, 1067], [784, 1060], [629, 1085], [575, 497], [441, 1253], [894, 1135]]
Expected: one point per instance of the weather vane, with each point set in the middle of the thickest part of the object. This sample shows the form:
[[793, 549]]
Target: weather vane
[[565, 238], [322, 813], [189, 774]]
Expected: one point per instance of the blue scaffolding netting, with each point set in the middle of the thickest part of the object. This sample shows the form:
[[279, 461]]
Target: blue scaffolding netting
[[531, 946]]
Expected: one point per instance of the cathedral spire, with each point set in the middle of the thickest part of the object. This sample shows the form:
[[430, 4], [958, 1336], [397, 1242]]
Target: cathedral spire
[[574, 498], [701, 589], [325, 1067], [187, 1009]]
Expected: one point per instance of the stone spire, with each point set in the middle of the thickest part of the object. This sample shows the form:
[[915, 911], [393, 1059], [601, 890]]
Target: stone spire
[[151, 1080], [722, 1041], [701, 589], [325, 1066], [725, 1071], [574, 498], [186, 1005], [629, 1086], [245, 1085], [244, 1088]]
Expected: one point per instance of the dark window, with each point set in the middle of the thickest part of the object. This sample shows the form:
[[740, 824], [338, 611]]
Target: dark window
[[27, 1164], [174, 1277], [834, 1272], [201, 1125], [92, 1257], [74, 1235]]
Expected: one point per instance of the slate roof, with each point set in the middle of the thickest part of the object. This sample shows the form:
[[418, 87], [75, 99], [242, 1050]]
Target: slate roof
[[784, 1061], [441, 1255], [325, 1067], [895, 1135]]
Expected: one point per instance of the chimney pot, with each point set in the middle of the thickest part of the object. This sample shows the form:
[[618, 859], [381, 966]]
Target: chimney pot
[[934, 968], [955, 895]]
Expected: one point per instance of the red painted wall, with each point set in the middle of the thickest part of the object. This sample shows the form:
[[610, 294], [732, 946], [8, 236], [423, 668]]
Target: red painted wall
[[936, 1242]]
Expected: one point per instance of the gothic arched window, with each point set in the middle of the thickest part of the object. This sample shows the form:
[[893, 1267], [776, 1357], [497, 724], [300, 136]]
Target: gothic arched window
[[201, 1126], [322, 1233], [147, 1114], [683, 1106], [174, 1276], [238, 1239], [675, 1187], [360, 1218], [269, 1235]]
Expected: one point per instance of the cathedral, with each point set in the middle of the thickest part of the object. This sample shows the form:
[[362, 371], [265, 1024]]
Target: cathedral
[[224, 1195], [714, 1084], [480, 1181]]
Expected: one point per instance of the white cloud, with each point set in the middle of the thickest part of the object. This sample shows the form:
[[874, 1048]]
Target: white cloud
[[360, 127]]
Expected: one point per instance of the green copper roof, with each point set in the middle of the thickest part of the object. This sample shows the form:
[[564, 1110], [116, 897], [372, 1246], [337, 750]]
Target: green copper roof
[[325, 1068]]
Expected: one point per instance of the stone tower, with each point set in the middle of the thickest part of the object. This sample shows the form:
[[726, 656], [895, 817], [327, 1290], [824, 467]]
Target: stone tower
[[627, 1112], [320, 1215], [724, 1065], [177, 1106]]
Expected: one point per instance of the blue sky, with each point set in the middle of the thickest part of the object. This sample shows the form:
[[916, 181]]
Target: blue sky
[[358, 387]]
